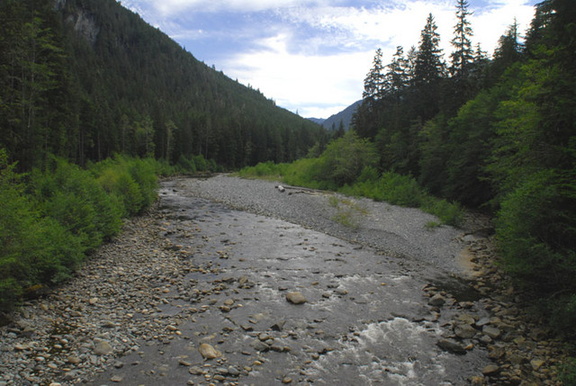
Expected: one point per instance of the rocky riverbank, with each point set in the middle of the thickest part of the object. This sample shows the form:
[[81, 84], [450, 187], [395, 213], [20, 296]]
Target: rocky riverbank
[[146, 303], [523, 351]]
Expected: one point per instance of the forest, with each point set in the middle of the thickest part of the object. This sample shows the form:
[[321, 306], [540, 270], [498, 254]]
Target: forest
[[86, 79], [491, 134]]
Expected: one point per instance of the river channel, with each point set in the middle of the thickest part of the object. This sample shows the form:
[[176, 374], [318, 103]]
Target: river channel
[[364, 318]]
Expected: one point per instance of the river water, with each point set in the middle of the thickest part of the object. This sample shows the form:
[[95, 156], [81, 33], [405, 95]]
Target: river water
[[366, 319]]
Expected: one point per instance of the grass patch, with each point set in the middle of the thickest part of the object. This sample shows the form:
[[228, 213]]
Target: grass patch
[[347, 212]]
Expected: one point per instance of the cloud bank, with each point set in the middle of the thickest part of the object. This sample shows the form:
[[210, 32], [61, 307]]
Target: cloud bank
[[311, 56]]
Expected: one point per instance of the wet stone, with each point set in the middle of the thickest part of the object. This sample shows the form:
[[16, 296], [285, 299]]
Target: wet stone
[[208, 351], [451, 346], [296, 298], [492, 332], [437, 300], [465, 331]]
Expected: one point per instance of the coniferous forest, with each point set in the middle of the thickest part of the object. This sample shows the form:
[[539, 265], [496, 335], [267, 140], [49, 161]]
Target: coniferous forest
[[91, 93], [86, 79], [497, 134]]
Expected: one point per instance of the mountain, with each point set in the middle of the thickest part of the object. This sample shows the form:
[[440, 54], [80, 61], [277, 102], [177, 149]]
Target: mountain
[[86, 79], [345, 117], [318, 121]]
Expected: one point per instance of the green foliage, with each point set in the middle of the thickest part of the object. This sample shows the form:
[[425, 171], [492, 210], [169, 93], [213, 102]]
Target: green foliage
[[345, 158], [72, 197], [306, 172], [186, 164], [568, 372], [54, 217], [132, 181], [536, 230], [266, 170], [33, 248]]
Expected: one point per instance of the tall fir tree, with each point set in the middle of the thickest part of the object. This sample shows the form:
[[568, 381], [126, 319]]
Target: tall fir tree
[[462, 58], [429, 66], [374, 85], [429, 70]]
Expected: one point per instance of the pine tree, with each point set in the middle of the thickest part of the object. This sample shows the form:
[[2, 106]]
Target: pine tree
[[398, 76], [463, 56], [429, 66], [429, 70], [374, 86], [508, 52]]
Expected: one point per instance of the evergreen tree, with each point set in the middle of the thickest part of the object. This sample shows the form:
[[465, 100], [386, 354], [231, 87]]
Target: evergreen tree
[[366, 118], [374, 83], [429, 67], [508, 52], [429, 70], [462, 58], [398, 74]]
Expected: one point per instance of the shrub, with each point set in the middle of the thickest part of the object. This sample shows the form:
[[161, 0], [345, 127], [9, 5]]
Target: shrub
[[48, 225], [131, 181], [73, 197], [345, 158], [568, 372], [536, 231], [186, 165]]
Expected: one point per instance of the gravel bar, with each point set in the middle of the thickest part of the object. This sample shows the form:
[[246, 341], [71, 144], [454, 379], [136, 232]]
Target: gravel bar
[[394, 230]]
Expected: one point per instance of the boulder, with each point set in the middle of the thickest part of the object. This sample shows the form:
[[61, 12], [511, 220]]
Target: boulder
[[296, 298], [208, 351]]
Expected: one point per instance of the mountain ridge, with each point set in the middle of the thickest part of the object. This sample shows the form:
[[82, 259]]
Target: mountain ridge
[[343, 117]]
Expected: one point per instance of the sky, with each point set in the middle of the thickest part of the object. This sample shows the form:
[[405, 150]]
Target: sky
[[311, 56]]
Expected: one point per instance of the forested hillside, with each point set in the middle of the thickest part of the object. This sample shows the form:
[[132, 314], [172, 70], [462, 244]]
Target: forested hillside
[[498, 134], [84, 79]]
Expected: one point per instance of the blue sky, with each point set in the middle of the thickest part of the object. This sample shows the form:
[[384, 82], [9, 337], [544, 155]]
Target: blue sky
[[311, 56]]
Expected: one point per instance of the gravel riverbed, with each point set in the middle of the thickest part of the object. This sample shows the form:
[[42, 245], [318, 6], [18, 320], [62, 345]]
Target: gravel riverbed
[[204, 290]]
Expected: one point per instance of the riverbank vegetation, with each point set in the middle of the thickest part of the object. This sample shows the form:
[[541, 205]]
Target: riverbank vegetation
[[54, 217], [349, 165]]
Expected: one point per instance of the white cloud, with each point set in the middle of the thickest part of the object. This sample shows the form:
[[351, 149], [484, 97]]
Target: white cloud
[[316, 53], [313, 85], [174, 7]]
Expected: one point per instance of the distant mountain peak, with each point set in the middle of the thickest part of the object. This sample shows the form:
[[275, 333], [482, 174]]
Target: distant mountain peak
[[344, 117]]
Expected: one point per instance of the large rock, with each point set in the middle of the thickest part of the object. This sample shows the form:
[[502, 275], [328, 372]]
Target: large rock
[[296, 298], [491, 331], [102, 347], [437, 300], [451, 346], [208, 351], [465, 331]]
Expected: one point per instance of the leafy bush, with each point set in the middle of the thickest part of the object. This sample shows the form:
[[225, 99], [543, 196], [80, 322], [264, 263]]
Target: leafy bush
[[536, 232], [568, 372], [34, 249], [186, 165], [72, 197], [345, 158], [131, 181], [49, 225]]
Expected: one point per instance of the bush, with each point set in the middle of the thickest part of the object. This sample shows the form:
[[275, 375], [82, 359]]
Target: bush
[[131, 181], [536, 231], [345, 158], [48, 226], [72, 196], [186, 165]]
